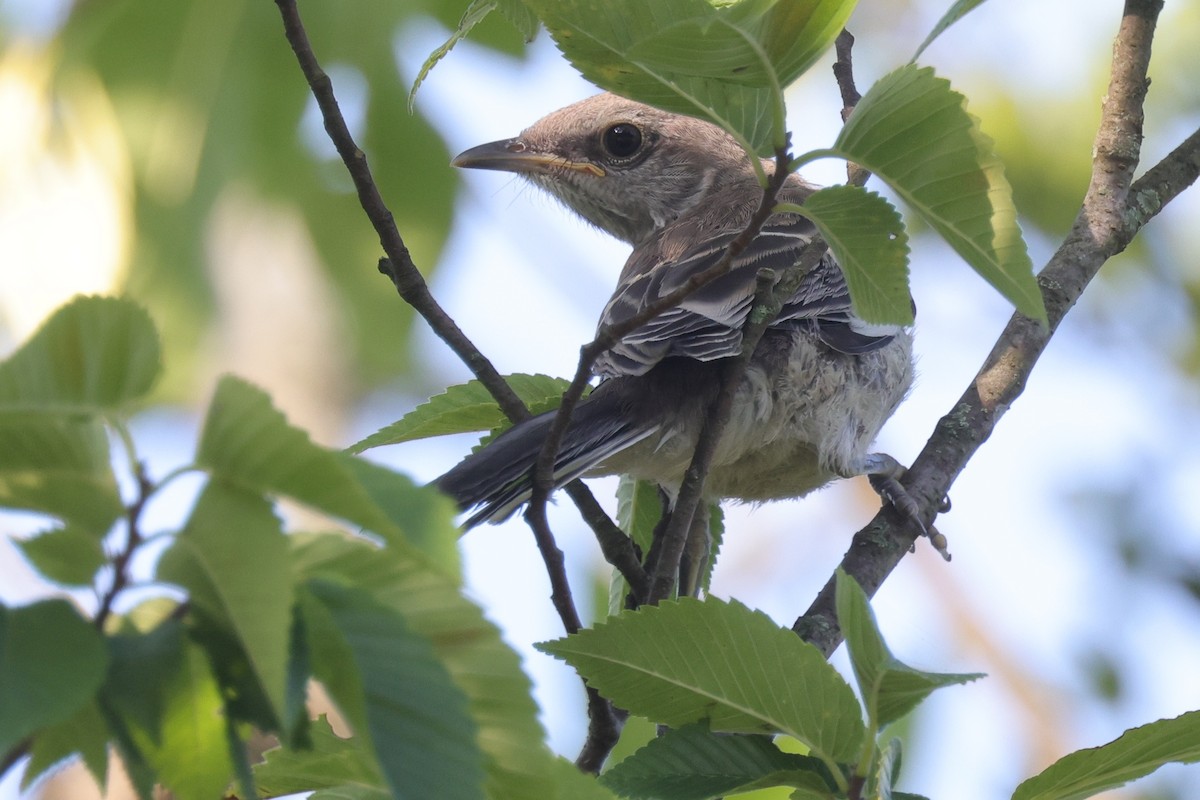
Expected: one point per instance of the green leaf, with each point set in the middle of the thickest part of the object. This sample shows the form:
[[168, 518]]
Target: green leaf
[[167, 709], [867, 237], [889, 687], [687, 661], [475, 13], [725, 62], [51, 663], [690, 763], [914, 132], [639, 509], [59, 465], [1137, 752], [84, 734], [520, 17], [571, 784], [191, 751], [69, 556], [469, 646], [248, 442], [465, 408], [331, 762], [352, 793], [887, 770], [417, 718], [599, 40], [232, 558], [956, 12], [94, 354], [426, 516]]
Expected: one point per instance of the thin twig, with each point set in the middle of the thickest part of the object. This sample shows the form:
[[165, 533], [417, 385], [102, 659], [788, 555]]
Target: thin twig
[[843, 73], [1113, 212], [398, 265]]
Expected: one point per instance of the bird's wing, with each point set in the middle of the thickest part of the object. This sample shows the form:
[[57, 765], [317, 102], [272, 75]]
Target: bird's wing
[[708, 323]]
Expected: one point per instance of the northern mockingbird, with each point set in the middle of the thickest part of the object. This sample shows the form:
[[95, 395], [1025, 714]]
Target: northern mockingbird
[[821, 382]]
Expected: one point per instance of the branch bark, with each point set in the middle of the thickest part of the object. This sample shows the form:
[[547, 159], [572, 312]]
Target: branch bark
[[1114, 210]]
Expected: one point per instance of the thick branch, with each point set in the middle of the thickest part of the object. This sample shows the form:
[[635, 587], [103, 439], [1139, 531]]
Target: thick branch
[[1114, 211]]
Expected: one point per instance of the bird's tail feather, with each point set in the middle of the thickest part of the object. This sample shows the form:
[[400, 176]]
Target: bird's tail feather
[[497, 479]]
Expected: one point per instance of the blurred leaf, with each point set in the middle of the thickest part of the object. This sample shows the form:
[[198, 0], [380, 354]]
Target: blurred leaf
[[210, 100], [190, 750], [232, 558], [249, 442], [690, 763], [468, 645], [59, 465], [571, 784], [914, 132], [417, 718], [70, 556], [889, 687], [465, 408], [331, 762], [1137, 752], [51, 663], [83, 734], [352, 793], [867, 237], [687, 661], [956, 12], [426, 515], [94, 354], [163, 704]]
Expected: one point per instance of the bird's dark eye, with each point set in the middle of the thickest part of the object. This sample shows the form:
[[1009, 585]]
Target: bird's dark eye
[[622, 140]]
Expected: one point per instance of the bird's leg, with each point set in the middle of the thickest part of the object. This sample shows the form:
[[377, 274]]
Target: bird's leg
[[884, 473]]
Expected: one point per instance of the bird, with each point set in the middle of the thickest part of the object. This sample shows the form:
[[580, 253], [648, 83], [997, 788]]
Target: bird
[[819, 385]]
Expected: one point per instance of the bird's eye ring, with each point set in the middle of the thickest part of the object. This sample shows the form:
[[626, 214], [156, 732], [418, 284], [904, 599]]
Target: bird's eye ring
[[622, 140]]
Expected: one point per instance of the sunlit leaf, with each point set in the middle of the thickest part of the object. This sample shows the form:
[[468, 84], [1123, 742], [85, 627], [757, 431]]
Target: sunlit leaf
[[867, 236], [51, 663], [1137, 752], [914, 132], [92, 355], [232, 558], [686, 661]]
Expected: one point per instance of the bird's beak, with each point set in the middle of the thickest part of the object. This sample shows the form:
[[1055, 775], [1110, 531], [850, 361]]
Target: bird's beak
[[514, 155]]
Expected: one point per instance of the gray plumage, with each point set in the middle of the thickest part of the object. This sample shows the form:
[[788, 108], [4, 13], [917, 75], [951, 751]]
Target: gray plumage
[[820, 384]]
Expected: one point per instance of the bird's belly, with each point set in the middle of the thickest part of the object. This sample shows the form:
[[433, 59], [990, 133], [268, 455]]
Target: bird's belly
[[803, 416]]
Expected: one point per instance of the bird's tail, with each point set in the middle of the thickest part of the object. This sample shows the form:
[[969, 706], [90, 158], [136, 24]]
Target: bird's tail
[[497, 479]]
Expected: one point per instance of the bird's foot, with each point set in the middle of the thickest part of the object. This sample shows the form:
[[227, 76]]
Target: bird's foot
[[884, 473]]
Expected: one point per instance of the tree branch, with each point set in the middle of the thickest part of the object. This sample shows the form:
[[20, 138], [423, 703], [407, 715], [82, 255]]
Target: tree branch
[[1114, 210]]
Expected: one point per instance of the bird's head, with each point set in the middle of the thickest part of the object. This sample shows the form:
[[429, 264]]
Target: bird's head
[[626, 167]]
